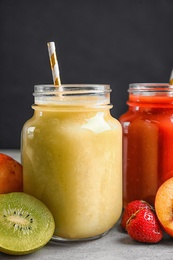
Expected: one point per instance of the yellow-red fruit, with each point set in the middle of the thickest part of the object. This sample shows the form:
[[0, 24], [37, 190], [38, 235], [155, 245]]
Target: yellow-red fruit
[[11, 174], [164, 205]]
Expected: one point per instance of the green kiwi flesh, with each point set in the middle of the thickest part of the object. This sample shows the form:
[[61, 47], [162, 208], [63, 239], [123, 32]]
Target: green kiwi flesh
[[26, 224]]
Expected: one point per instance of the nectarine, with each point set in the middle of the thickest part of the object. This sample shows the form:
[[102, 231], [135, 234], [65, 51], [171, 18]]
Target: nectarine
[[11, 174], [164, 205]]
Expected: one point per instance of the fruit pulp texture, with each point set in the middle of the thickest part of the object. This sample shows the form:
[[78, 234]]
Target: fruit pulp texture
[[147, 148], [72, 161]]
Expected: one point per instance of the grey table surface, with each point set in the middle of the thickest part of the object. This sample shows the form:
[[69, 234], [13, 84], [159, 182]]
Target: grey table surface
[[114, 245]]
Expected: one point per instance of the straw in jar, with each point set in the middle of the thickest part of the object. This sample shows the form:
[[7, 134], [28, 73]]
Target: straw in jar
[[54, 63]]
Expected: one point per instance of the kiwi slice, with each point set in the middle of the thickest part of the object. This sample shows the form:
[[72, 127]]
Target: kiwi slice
[[26, 224]]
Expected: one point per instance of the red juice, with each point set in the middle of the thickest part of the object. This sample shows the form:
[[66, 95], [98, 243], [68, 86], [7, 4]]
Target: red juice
[[147, 141]]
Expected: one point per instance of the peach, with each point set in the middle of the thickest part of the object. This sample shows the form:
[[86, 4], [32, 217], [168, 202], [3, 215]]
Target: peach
[[11, 175], [164, 205]]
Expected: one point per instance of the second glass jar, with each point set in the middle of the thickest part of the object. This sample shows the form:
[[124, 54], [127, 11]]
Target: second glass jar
[[147, 140]]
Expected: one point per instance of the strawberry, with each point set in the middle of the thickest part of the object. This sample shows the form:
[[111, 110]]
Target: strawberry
[[131, 208], [143, 226]]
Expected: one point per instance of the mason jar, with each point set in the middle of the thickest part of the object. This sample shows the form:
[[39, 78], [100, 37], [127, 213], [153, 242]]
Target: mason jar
[[147, 141], [72, 159]]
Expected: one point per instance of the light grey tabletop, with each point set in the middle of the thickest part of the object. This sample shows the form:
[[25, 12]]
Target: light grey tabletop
[[115, 245]]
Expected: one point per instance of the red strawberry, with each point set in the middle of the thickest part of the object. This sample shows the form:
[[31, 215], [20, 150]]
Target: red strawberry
[[131, 208], [143, 226]]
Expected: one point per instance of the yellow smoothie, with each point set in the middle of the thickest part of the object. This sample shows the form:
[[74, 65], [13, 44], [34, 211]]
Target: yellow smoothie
[[72, 162]]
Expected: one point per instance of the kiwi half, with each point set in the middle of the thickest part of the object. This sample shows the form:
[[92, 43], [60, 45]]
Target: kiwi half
[[26, 224]]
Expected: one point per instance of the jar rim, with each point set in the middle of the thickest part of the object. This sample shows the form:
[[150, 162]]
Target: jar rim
[[152, 87], [73, 94], [72, 88]]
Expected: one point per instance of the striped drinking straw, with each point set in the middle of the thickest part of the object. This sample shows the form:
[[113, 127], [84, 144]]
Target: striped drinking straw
[[54, 63], [171, 78]]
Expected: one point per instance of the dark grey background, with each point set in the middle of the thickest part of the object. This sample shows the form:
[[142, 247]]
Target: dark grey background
[[115, 42]]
